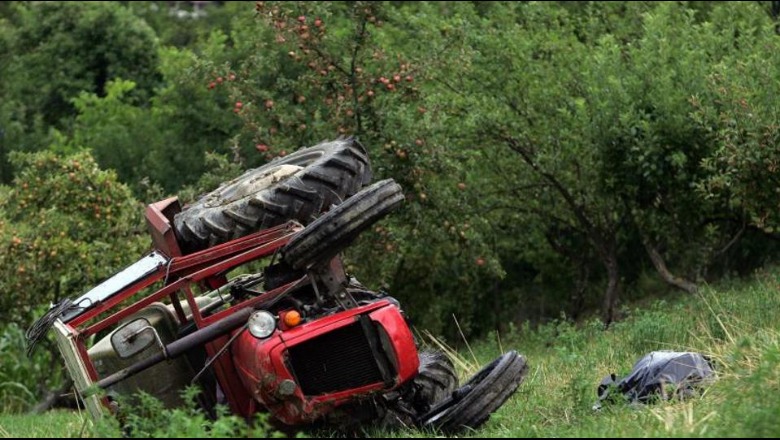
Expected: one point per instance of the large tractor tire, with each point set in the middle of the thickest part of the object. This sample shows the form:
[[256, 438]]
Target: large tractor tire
[[299, 187], [323, 239], [435, 381], [472, 404]]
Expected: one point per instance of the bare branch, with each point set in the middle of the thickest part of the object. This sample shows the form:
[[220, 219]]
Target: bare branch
[[733, 240], [577, 209]]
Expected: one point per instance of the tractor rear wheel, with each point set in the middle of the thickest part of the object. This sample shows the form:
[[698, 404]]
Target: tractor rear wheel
[[299, 187]]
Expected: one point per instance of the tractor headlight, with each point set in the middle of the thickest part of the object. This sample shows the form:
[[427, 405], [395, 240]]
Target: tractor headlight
[[262, 324]]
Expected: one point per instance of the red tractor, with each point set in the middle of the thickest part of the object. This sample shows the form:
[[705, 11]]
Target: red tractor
[[239, 298]]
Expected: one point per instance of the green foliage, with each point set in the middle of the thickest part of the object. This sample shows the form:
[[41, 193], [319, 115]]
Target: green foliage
[[546, 149], [55, 50], [67, 48], [22, 379], [594, 151], [150, 419], [117, 132], [147, 418], [166, 141], [183, 24], [742, 117], [564, 142], [64, 226]]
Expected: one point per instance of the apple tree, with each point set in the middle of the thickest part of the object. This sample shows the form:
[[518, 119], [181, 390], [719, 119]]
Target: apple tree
[[65, 225]]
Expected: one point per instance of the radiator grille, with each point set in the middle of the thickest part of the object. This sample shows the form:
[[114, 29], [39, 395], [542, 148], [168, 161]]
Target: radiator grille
[[336, 361]]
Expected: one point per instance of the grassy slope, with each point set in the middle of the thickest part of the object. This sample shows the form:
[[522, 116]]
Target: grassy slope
[[738, 325]]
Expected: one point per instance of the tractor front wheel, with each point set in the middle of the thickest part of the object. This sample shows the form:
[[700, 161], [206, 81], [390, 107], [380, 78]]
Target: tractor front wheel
[[472, 404], [334, 231]]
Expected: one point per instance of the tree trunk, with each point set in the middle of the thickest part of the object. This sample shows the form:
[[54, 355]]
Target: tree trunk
[[613, 287], [666, 275], [579, 289], [56, 399]]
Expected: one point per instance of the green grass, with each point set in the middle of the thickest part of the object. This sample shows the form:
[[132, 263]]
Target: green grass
[[52, 424], [737, 324]]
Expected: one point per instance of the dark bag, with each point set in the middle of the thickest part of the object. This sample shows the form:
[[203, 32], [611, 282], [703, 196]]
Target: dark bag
[[660, 374]]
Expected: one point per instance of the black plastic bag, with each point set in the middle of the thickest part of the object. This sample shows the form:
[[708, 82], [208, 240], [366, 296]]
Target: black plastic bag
[[659, 375]]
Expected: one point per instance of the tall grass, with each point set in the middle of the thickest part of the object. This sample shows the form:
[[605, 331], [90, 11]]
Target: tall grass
[[22, 380], [736, 324]]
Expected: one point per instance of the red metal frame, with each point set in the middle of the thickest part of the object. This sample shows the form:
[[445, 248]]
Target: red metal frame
[[158, 219], [191, 269], [181, 272]]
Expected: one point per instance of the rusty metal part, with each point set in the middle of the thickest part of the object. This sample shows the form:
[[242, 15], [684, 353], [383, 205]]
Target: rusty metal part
[[333, 276]]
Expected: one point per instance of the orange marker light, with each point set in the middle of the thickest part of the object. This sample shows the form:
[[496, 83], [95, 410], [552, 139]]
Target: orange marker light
[[292, 318]]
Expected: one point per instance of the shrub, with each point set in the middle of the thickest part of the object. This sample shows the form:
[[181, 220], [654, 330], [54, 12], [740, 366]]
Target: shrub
[[65, 226], [23, 379]]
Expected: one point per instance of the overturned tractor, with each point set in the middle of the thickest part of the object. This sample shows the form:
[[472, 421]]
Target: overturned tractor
[[246, 296]]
